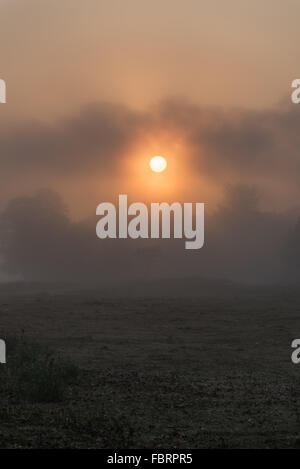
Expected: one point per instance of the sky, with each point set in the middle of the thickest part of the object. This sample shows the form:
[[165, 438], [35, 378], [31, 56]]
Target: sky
[[96, 88], [58, 55]]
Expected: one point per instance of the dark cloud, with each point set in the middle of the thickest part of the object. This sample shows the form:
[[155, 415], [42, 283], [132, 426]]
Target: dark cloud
[[248, 144], [244, 142], [94, 138]]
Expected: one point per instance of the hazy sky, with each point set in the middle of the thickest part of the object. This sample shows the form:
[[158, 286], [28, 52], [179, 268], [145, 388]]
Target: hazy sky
[[62, 59], [59, 54]]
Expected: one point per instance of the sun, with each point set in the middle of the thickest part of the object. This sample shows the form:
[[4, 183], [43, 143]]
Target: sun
[[158, 164]]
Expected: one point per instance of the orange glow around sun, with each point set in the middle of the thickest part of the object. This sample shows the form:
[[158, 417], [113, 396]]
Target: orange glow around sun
[[158, 168]]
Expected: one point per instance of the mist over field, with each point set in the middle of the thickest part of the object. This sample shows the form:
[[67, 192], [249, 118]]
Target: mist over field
[[39, 242]]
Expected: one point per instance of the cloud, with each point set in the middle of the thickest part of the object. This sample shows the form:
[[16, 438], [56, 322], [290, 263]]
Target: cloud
[[252, 147], [96, 137], [243, 141], [101, 132]]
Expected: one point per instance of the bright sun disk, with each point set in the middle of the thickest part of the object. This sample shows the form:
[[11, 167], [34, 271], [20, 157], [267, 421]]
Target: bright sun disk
[[158, 164]]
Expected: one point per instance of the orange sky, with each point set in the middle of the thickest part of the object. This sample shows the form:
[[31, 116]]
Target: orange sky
[[57, 55]]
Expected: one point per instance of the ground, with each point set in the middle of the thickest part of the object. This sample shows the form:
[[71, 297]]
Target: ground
[[213, 371]]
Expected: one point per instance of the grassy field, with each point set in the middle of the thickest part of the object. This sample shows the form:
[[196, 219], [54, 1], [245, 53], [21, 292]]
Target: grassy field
[[87, 371]]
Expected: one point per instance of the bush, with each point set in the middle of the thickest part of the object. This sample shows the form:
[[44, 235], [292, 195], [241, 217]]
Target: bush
[[35, 373]]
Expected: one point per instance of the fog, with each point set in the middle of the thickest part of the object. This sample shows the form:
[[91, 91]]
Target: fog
[[39, 242], [248, 160]]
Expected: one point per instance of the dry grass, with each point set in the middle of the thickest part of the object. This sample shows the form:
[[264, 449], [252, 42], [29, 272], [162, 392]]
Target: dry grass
[[213, 371]]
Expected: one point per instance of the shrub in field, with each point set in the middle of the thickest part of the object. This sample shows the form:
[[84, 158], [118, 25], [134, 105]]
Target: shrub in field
[[35, 373]]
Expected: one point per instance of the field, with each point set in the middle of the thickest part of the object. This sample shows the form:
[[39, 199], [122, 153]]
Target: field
[[209, 371]]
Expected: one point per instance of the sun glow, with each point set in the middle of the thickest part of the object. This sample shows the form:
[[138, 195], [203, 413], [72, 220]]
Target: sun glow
[[158, 164]]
